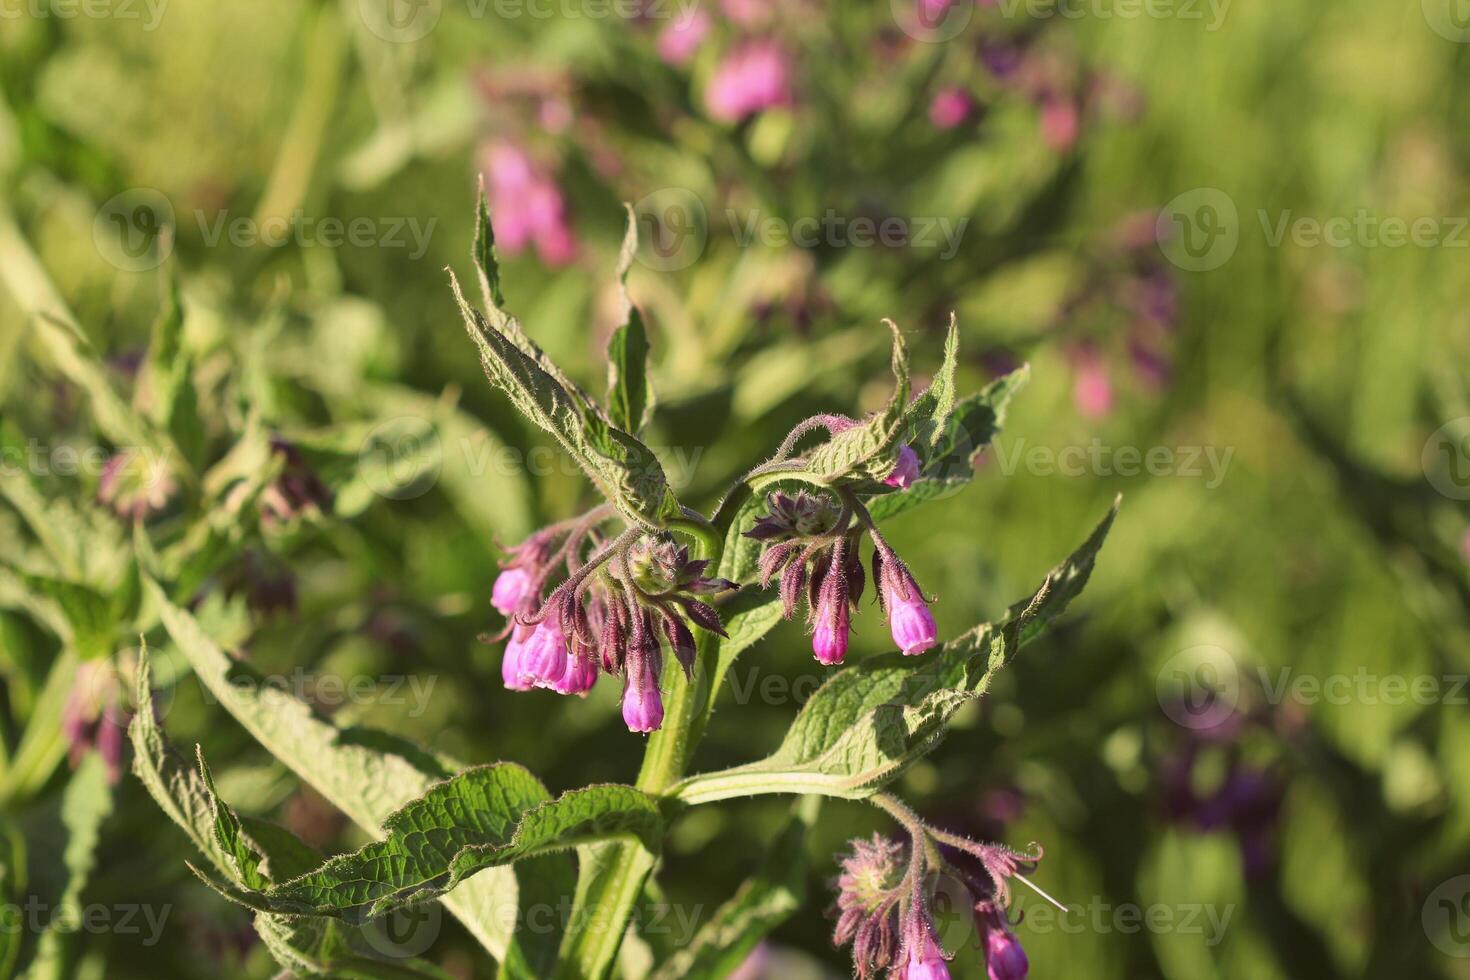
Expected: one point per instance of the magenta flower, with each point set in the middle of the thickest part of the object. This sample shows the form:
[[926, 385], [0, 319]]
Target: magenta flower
[[580, 676], [95, 717], [869, 892], [907, 471], [528, 206], [829, 638], [1004, 957], [543, 657], [680, 41], [752, 77], [909, 618], [643, 703], [926, 959], [950, 108], [512, 588], [297, 491], [510, 663]]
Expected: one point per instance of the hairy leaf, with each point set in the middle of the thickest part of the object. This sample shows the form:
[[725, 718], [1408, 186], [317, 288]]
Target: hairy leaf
[[870, 448], [365, 779], [870, 722], [625, 471], [948, 464], [485, 817], [629, 390]]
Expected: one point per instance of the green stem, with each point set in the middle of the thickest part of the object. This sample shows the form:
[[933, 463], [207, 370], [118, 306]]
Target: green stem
[[617, 871]]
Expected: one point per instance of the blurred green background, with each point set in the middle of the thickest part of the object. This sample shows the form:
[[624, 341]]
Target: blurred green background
[[1308, 521]]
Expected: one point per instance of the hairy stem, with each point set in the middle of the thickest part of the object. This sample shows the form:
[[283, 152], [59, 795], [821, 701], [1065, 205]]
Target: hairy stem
[[610, 892]]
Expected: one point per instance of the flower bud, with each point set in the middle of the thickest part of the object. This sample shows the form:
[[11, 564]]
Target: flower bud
[[580, 676], [829, 639], [925, 958], [643, 704], [513, 586], [907, 471], [510, 663], [909, 618], [544, 655], [1004, 957]]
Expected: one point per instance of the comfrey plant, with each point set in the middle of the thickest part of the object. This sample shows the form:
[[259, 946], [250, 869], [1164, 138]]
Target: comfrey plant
[[647, 589]]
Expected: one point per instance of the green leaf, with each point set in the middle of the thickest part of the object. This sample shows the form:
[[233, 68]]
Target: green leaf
[[365, 779], [42, 746], [85, 804], [758, 906], [167, 385], [629, 391], [485, 817], [624, 470], [247, 852], [870, 722], [949, 463], [928, 415], [869, 449]]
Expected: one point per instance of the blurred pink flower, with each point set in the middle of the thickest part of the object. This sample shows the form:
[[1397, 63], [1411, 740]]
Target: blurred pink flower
[[951, 107], [679, 42], [753, 76], [1465, 545], [527, 206], [1092, 388], [747, 12], [1060, 123]]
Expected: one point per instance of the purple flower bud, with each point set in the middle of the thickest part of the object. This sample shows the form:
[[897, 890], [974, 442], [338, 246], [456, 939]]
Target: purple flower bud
[[544, 655], [829, 639], [925, 958], [643, 703], [580, 676], [510, 664], [512, 587], [909, 618], [1004, 957], [907, 470], [912, 624]]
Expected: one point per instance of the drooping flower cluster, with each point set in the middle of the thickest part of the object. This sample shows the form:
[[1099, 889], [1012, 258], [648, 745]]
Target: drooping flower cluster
[[813, 549], [884, 911], [618, 601]]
